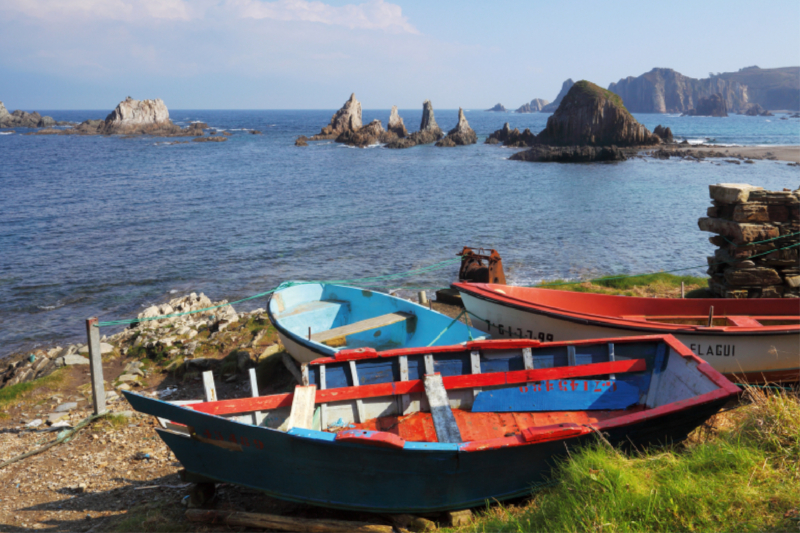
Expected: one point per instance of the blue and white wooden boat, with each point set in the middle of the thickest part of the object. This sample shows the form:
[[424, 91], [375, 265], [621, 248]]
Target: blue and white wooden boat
[[404, 432], [319, 319]]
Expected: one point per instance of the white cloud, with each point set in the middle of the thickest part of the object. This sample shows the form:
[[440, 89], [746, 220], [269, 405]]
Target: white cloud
[[123, 10], [371, 15]]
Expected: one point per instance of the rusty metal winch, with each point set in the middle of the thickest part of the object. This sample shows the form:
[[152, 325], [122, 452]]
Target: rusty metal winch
[[479, 267]]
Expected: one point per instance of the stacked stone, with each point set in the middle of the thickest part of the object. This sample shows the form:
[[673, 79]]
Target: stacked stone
[[754, 227]]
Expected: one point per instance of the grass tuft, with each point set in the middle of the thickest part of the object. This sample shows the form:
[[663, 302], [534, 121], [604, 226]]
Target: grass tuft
[[741, 477], [659, 285], [21, 391]]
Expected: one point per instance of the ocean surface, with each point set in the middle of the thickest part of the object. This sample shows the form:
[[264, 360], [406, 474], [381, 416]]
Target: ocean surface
[[107, 226]]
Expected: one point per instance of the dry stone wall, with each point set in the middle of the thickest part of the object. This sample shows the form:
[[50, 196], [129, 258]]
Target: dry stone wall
[[758, 243]]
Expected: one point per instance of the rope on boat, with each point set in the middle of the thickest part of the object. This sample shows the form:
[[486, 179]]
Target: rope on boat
[[364, 282], [451, 325]]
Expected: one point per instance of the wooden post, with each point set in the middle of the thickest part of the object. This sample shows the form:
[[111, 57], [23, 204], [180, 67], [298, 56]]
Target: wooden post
[[208, 386], [683, 291], [710, 316], [96, 366], [423, 298]]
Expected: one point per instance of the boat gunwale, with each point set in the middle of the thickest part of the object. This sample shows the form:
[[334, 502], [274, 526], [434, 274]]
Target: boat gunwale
[[482, 292], [724, 389]]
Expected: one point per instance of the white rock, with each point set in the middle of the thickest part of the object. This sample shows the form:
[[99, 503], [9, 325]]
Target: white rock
[[34, 423], [104, 348], [70, 360], [67, 406]]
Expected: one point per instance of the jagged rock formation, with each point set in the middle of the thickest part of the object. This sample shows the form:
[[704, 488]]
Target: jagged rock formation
[[772, 88], [301, 141], [565, 87], [348, 118], [665, 134], [535, 105], [133, 114], [396, 124], [23, 119], [570, 154], [662, 90], [591, 115], [508, 137], [498, 108], [461, 135], [711, 106], [428, 132]]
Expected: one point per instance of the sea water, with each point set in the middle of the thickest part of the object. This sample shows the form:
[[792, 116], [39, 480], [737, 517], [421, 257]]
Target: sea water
[[107, 226]]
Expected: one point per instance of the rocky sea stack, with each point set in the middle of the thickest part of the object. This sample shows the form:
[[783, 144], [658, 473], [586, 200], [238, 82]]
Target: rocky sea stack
[[396, 124], [461, 135], [710, 106], [498, 108], [346, 120], [429, 130], [590, 115]]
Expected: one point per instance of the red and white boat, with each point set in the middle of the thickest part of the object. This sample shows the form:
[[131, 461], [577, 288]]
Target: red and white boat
[[748, 340]]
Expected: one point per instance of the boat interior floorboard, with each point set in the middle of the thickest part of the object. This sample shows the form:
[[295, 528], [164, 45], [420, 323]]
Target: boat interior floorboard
[[419, 427]]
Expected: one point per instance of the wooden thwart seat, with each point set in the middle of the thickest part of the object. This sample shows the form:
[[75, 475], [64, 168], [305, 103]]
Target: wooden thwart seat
[[337, 336]]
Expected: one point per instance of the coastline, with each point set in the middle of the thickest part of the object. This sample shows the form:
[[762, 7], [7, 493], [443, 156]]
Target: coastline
[[789, 153]]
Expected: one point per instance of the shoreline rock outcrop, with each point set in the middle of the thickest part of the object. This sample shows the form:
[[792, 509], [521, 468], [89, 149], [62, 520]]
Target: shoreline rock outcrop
[[347, 119], [710, 106], [23, 119], [513, 138], [570, 154], [461, 135], [565, 87], [665, 134], [534, 106]]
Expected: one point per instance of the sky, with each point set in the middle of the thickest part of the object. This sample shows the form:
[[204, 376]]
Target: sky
[[306, 54]]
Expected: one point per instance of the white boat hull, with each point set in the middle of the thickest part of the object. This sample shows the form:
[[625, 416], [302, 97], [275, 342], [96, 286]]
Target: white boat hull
[[775, 356]]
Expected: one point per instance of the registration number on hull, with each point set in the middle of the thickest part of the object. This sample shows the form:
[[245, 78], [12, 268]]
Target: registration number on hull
[[519, 333]]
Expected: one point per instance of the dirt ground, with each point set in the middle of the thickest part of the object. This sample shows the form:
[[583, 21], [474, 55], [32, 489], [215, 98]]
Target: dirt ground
[[116, 474]]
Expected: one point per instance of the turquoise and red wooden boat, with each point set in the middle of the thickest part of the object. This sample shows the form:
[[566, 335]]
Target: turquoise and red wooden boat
[[443, 428], [319, 319], [748, 340]]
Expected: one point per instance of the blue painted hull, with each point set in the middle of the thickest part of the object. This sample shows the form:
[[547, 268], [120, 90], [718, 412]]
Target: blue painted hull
[[310, 467], [319, 307]]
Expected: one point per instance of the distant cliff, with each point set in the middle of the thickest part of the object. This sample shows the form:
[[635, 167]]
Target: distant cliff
[[771, 88], [662, 90], [552, 106]]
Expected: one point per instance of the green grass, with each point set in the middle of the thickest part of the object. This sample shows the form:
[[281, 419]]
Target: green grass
[[18, 392], [743, 477], [658, 284]]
